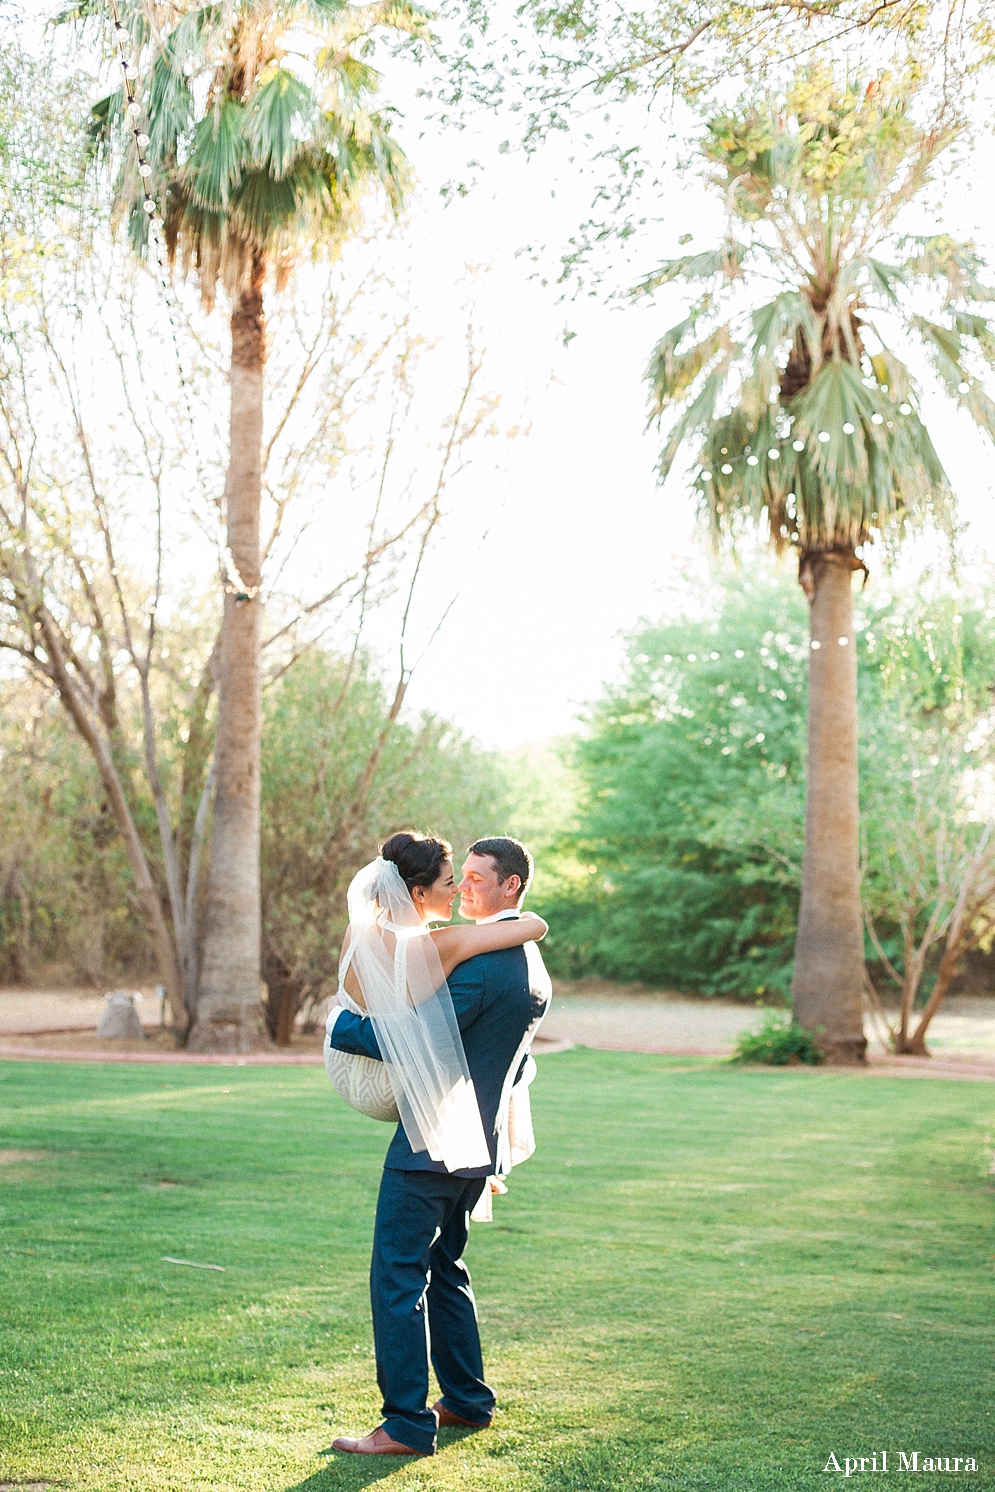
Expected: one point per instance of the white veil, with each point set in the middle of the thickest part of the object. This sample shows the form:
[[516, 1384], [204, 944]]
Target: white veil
[[408, 1002]]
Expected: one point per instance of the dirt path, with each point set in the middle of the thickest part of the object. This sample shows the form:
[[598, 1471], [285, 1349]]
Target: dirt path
[[59, 1025]]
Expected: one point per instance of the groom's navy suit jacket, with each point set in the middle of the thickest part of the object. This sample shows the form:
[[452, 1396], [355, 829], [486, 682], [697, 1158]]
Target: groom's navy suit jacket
[[499, 1002]]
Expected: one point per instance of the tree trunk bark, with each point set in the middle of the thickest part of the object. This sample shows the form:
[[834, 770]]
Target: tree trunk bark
[[915, 1045], [228, 1016], [827, 989]]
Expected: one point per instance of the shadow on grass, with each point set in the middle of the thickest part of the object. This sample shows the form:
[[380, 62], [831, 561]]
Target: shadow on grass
[[609, 1466], [347, 1472]]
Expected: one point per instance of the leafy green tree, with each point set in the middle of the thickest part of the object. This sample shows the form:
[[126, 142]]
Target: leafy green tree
[[322, 817], [261, 142], [64, 878], [558, 65], [805, 423], [66, 899], [929, 818], [689, 828]]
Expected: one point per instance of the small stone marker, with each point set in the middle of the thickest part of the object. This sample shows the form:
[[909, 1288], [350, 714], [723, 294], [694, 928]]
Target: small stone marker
[[120, 1019]]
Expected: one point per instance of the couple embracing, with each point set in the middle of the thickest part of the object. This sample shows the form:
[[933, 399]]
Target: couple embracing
[[432, 1026]]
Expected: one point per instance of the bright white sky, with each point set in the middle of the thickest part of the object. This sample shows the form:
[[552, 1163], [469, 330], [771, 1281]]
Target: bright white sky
[[580, 539], [585, 542], [581, 542]]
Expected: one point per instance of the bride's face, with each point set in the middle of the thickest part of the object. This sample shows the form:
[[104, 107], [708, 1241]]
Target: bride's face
[[435, 902]]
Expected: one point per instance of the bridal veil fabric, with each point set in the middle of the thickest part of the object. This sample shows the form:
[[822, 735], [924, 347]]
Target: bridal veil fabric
[[409, 1005]]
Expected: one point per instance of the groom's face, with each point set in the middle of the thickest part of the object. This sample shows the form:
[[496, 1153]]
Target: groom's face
[[481, 893]]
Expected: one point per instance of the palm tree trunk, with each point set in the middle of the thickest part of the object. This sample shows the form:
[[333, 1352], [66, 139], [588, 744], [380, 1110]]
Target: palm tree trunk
[[228, 1015], [827, 989]]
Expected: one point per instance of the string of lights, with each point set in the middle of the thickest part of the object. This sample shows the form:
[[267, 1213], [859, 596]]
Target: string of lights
[[822, 436], [159, 258]]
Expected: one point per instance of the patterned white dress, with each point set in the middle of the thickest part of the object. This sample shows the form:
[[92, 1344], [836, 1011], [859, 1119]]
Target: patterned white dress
[[362, 1081]]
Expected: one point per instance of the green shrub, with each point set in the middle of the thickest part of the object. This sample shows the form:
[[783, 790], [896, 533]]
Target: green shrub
[[780, 1041]]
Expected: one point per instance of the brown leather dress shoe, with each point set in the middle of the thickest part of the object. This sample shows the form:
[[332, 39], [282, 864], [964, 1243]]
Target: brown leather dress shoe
[[377, 1443], [447, 1417]]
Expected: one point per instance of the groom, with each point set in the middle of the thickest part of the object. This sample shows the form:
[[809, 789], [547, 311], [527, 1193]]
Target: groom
[[423, 1305]]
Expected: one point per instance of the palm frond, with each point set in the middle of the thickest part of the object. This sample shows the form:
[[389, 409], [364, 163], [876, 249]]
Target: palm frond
[[169, 109], [83, 10], [697, 416], [671, 372], [779, 320], [250, 161], [958, 266], [349, 80], [724, 261], [217, 156], [391, 166], [104, 117], [403, 16], [893, 377], [886, 279], [195, 33], [812, 448], [264, 206], [277, 119], [945, 346], [979, 329], [862, 464]]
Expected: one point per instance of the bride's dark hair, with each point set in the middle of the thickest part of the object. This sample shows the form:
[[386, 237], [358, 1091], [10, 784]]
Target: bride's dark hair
[[418, 857]]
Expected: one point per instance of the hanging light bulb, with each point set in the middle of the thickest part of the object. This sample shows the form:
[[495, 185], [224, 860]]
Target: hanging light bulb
[[877, 419], [963, 388], [848, 428], [727, 470], [905, 409], [148, 205], [752, 461], [773, 454], [823, 436], [145, 169], [706, 476], [142, 141], [133, 110], [798, 445]]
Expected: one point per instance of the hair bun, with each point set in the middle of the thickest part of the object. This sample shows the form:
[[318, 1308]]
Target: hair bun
[[418, 857]]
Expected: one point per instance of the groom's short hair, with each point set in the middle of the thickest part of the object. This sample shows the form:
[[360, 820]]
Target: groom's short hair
[[510, 857]]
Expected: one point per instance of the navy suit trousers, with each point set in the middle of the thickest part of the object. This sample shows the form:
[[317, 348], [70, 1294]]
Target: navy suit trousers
[[423, 1304]]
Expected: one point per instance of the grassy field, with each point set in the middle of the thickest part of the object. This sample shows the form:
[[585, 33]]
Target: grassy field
[[708, 1278]]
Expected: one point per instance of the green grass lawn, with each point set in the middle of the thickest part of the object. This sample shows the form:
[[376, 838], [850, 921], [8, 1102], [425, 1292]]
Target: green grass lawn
[[707, 1277]]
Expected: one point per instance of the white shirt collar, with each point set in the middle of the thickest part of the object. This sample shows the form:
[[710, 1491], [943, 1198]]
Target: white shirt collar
[[504, 916]]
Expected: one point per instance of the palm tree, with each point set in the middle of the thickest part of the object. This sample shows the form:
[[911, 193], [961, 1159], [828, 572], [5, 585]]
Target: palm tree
[[806, 423], [258, 144]]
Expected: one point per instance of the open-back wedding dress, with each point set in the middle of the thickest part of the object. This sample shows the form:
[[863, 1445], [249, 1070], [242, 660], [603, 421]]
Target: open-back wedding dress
[[423, 1080]]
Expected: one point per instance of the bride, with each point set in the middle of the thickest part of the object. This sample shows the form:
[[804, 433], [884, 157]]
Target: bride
[[393, 969]]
